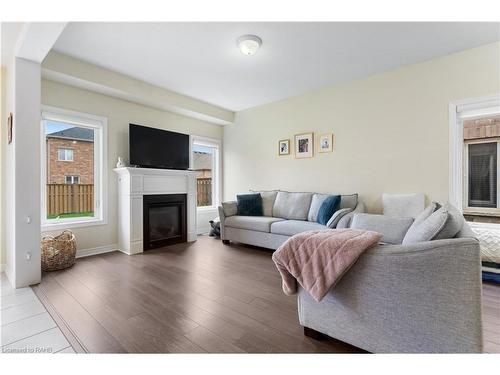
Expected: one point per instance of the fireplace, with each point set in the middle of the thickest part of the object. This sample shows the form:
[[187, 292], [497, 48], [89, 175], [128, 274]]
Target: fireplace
[[164, 220]]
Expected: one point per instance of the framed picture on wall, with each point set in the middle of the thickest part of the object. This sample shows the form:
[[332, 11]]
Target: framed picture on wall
[[304, 145], [284, 147], [326, 142]]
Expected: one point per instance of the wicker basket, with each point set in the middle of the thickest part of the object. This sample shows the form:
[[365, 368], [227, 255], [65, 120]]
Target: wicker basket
[[58, 252]]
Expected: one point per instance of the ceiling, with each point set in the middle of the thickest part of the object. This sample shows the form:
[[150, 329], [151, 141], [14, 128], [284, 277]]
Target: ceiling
[[201, 60]]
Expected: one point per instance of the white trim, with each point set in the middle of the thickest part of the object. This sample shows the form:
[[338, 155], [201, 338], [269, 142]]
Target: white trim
[[100, 125], [96, 250], [456, 142]]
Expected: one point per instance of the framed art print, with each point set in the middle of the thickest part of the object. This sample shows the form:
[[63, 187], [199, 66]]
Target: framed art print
[[304, 147], [284, 147], [326, 142]]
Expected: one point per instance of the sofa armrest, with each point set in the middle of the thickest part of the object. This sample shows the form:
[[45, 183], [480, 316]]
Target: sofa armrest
[[423, 297], [222, 218], [345, 221], [226, 209]]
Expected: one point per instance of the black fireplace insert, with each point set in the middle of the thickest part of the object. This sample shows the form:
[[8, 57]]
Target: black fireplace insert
[[165, 220]]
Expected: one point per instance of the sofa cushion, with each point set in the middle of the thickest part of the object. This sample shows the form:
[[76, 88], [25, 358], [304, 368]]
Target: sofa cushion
[[403, 205], [316, 202], [339, 214], [256, 223], [292, 227], [453, 225], [328, 208], [435, 223], [349, 201], [293, 206], [268, 198], [346, 201], [392, 229], [230, 208], [423, 230], [249, 205]]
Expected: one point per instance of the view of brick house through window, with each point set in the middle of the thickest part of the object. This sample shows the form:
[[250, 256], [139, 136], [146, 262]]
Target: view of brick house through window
[[481, 177], [69, 153], [203, 163]]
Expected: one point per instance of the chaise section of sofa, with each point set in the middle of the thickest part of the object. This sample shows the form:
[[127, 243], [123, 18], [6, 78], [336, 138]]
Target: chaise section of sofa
[[288, 213], [418, 298]]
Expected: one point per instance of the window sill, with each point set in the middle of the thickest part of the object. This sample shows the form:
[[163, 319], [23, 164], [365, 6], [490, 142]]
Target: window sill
[[48, 227], [481, 213], [206, 208]]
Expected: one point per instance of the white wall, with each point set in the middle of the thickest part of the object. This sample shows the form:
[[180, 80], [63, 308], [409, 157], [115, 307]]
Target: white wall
[[22, 174], [3, 144], [391, 131], [119, 114]]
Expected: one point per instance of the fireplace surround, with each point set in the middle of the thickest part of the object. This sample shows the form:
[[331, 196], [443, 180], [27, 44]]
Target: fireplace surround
[[139, 185]]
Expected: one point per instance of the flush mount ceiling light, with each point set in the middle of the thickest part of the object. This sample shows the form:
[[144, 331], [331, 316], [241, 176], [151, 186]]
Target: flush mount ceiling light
[[249, 44]]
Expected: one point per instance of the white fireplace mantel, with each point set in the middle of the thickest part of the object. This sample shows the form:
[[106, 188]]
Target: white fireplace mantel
[[133, 184]]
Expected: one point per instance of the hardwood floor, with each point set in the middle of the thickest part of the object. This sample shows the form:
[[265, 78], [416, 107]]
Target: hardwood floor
[[193, 298]]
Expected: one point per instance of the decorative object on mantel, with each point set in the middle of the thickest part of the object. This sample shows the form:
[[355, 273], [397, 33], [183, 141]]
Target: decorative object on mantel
[[284, 147], [10, 122], [326, 142], [121, 163], [58, 252], [304, 147]]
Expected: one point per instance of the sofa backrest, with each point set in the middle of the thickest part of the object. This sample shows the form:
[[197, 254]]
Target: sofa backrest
[[268, 199], [292, 206]]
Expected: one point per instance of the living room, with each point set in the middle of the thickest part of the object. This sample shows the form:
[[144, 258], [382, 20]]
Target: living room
[[303, 187]]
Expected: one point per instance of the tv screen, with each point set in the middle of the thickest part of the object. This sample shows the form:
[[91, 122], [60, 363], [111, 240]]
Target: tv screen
[[156, 148]]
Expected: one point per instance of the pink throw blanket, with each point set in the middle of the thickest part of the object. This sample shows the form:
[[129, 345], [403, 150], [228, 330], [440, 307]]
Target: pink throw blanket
[[318, 259]]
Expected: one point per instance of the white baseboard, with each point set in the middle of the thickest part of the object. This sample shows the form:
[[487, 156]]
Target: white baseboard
[[203, 230], [96, 250]]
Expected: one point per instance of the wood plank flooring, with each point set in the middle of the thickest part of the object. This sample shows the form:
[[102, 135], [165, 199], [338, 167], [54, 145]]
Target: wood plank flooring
[[193, 298]]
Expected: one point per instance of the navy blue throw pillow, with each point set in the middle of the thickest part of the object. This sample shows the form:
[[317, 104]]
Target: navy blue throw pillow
[[249, 205], [328, 208]]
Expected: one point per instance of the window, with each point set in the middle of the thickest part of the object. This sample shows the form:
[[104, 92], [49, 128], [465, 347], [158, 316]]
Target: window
[[72, 179], [73, 193], [65, 154], [480, 176], [205, 161]]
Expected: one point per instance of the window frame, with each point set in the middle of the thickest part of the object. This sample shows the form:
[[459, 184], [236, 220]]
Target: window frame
[[100, 126], [457, 112], [65, 149], [73, 176], [216, 171], [489, 211]]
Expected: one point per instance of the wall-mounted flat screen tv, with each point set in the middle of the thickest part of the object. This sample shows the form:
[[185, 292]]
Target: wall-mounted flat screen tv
[[156, 148]]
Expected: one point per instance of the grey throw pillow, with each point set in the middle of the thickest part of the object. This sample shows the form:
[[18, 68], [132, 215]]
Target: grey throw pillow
[[453, 224], [392, 229], [230, 208], [435, 223], [427, 225], [339, 214]]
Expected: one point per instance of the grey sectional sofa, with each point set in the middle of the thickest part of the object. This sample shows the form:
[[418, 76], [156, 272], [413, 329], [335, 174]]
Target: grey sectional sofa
[[416, 298], [285, 214]]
